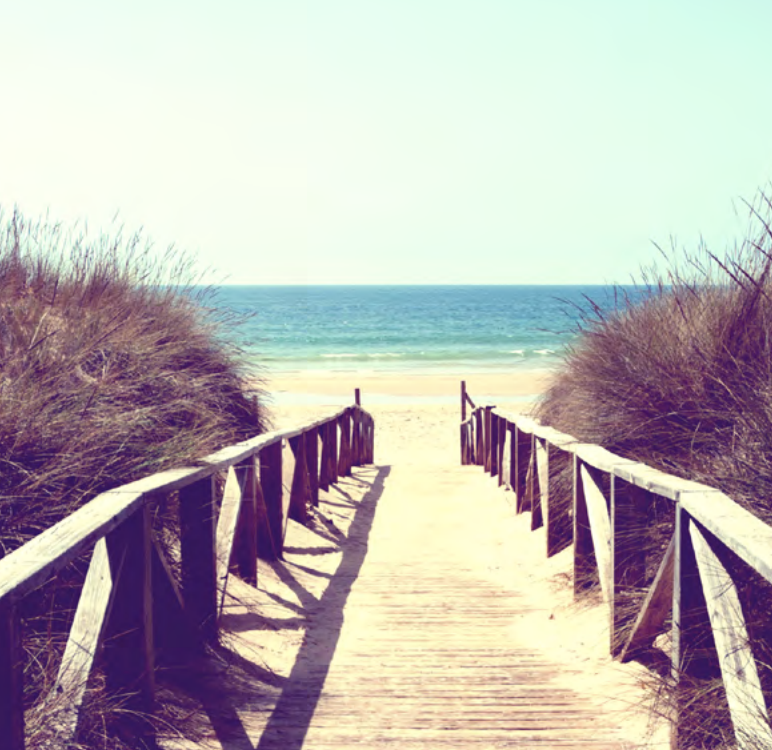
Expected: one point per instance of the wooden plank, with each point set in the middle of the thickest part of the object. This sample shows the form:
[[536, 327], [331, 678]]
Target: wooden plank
[[493, 446], [198, 557], [245, 553], [600, 528], [692, 651], [542, 458], [270, 516], [227, 522], [371, 441], [502, 431], [535, 487], [344, 456], [512, 480], [129, 650], [84, 640], [334, 424], [599, 458], [657, 482], [487, 427], [584, 557], [312, 464], [34, 563], [652, 616], [522, 462], [463, 401], [738, 665], [324, 465], [480, 435], [628, 555], [298, 505], [11, 677], [747, 536]]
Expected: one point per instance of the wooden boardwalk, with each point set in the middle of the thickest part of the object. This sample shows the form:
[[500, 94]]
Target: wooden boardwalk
[[439, 629]]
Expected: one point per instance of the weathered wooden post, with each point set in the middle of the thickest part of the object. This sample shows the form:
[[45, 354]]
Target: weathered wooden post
[[463, 400], [479, 434], [487, 437], [534, 490], [129, 651], [344, 460], [522, 467], [312, 462], [197, 551], [628, 555], [298, 504], [324, 463], [493, 444], [245, 548], [692, 638], [11, 676], [584, 556], [502, 430], [271, 521], [334, 457]]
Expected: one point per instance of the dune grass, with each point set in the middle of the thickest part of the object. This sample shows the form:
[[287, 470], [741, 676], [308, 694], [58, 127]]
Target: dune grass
[[680, 378], [112, 366]]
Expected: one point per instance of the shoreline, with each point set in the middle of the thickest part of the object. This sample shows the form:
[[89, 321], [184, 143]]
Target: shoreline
[[319, 388]]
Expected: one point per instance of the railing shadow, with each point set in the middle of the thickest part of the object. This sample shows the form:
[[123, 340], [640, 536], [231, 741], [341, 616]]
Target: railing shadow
[[288, 725], [294, 698]]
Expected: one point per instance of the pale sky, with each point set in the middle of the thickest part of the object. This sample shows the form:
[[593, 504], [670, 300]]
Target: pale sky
[[391, 141]]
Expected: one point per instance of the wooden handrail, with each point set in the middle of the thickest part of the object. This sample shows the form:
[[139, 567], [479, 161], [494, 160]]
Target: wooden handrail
[[609, 497], [129, 583]]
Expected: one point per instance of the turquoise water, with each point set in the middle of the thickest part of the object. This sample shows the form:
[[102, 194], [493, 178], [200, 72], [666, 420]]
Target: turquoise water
[[392, 329]]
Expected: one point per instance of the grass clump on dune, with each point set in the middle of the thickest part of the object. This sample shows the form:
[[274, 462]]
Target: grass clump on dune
[[111, 368], [680, 377]]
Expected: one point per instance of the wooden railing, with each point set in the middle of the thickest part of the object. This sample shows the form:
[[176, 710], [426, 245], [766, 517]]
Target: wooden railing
[[131, 605], [601, 512]]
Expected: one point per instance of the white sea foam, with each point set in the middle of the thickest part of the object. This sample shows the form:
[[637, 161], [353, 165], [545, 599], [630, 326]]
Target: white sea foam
[[544, 351]]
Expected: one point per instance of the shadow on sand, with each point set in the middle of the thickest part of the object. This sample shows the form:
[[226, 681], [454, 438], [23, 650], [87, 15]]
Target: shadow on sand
[[290, 719]]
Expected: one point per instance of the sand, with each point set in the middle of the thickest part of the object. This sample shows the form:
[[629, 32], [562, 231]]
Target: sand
[[483, 386]]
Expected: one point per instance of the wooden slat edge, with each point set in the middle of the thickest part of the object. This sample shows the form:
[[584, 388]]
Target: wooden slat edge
[[747, 536], [30, 565], [738, 666], [653, 614], [600, 528], [226, 531], [84, 639], [656, 481]]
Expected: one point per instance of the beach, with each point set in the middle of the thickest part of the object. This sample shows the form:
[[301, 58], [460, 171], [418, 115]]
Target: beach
[[416, 447]]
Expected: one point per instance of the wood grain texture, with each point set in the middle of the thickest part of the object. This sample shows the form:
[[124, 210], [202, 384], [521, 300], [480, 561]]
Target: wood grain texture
[[227, 521], [11, 677], [738, 665], [600, 528], [84, 640], [431, 648], [651, 618]]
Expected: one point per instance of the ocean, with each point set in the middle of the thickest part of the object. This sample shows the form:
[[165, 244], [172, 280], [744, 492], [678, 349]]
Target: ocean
[[396, 329]]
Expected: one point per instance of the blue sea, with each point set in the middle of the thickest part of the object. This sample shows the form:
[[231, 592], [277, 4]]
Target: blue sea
[[458, 330]]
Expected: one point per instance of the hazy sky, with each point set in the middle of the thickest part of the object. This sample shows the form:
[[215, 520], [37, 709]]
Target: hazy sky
[[391, 141]]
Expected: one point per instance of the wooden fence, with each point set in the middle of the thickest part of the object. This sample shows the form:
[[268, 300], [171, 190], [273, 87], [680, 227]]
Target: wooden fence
[[131, 605], [598, 510]]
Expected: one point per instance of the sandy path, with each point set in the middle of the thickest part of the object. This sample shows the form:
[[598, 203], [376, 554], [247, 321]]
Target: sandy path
[[420, 612]]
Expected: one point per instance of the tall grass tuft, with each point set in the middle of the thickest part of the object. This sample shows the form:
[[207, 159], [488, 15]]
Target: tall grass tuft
[[112, 367], [680, 377]]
